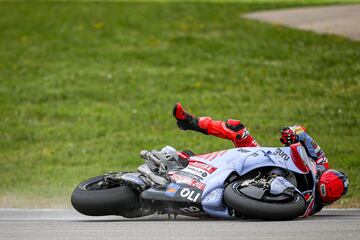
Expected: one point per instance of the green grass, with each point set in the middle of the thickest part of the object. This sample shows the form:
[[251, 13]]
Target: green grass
[[85, 87]]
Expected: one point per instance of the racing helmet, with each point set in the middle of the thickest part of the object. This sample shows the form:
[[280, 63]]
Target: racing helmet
[[333, 185]]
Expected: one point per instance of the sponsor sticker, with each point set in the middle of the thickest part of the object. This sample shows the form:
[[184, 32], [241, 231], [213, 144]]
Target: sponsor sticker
[[172, 189], [196, 171], [203, 166], [243, 150], [190, 195], [280, 153], [187, 180], [190, 175]]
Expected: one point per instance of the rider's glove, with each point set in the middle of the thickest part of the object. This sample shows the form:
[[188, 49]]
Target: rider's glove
[[288, 136]]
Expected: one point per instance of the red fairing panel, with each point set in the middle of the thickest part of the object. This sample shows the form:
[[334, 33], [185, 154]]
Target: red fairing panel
[[299, 162]]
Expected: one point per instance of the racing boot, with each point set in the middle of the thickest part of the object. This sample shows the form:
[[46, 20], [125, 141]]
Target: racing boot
[[185, 120], [231, 129]]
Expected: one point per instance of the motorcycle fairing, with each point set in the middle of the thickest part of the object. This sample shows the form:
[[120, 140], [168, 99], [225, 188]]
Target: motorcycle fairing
[[213, 204], [200, 186], [133, 177], [279, 185], [242, 161], [174, 199], [174, 192]]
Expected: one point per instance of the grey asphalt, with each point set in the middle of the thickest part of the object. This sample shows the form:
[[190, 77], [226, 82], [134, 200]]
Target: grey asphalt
[[67, 224], [342, 20]]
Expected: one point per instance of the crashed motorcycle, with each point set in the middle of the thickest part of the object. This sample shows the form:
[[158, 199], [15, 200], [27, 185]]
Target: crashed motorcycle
[[271, 183]]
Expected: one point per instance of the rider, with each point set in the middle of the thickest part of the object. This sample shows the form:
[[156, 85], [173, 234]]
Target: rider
[[331, 184]]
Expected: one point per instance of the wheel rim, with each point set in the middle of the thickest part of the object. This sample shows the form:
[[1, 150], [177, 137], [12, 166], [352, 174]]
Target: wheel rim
[[266, 197]]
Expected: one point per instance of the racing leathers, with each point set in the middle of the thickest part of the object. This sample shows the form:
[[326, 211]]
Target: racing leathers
[[230, 129], [297, 133], [236, 131]]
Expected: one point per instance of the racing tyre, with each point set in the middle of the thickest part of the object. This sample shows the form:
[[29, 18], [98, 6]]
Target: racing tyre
[[254, 208], [93, 199]]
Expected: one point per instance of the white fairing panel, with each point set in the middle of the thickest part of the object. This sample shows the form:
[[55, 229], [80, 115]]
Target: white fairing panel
[[212, 169], [247, 159]]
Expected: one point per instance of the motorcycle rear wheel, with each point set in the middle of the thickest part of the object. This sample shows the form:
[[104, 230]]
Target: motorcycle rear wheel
[[250, 207], [90, 198]]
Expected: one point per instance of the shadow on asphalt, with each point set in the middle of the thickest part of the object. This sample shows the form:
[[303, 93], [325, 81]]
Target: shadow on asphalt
[[182, 219], [160, 218]]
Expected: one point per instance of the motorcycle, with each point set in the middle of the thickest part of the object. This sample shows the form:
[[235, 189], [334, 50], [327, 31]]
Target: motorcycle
[[271, 183]]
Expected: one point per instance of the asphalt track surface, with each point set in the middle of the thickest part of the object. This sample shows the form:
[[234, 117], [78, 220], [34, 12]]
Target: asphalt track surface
[[67, 224], [342, 20]]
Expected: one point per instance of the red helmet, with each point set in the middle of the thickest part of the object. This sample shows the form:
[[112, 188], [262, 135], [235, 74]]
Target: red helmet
[[332, 185]]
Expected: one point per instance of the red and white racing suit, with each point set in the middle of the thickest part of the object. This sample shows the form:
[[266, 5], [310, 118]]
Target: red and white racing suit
[[236, 132]]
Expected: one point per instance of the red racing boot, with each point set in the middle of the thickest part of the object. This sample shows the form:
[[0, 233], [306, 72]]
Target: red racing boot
[[231, 129], [185, 120]]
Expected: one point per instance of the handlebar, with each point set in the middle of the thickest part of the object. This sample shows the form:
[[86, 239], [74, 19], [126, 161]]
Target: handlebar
[[147, 155]]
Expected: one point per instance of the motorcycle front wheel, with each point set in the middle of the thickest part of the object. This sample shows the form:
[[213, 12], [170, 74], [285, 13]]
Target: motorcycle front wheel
[[94, 198], [250, 207]]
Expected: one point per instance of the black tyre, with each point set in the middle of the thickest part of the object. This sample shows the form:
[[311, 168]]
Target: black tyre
[[264, 210], [90, 198]]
